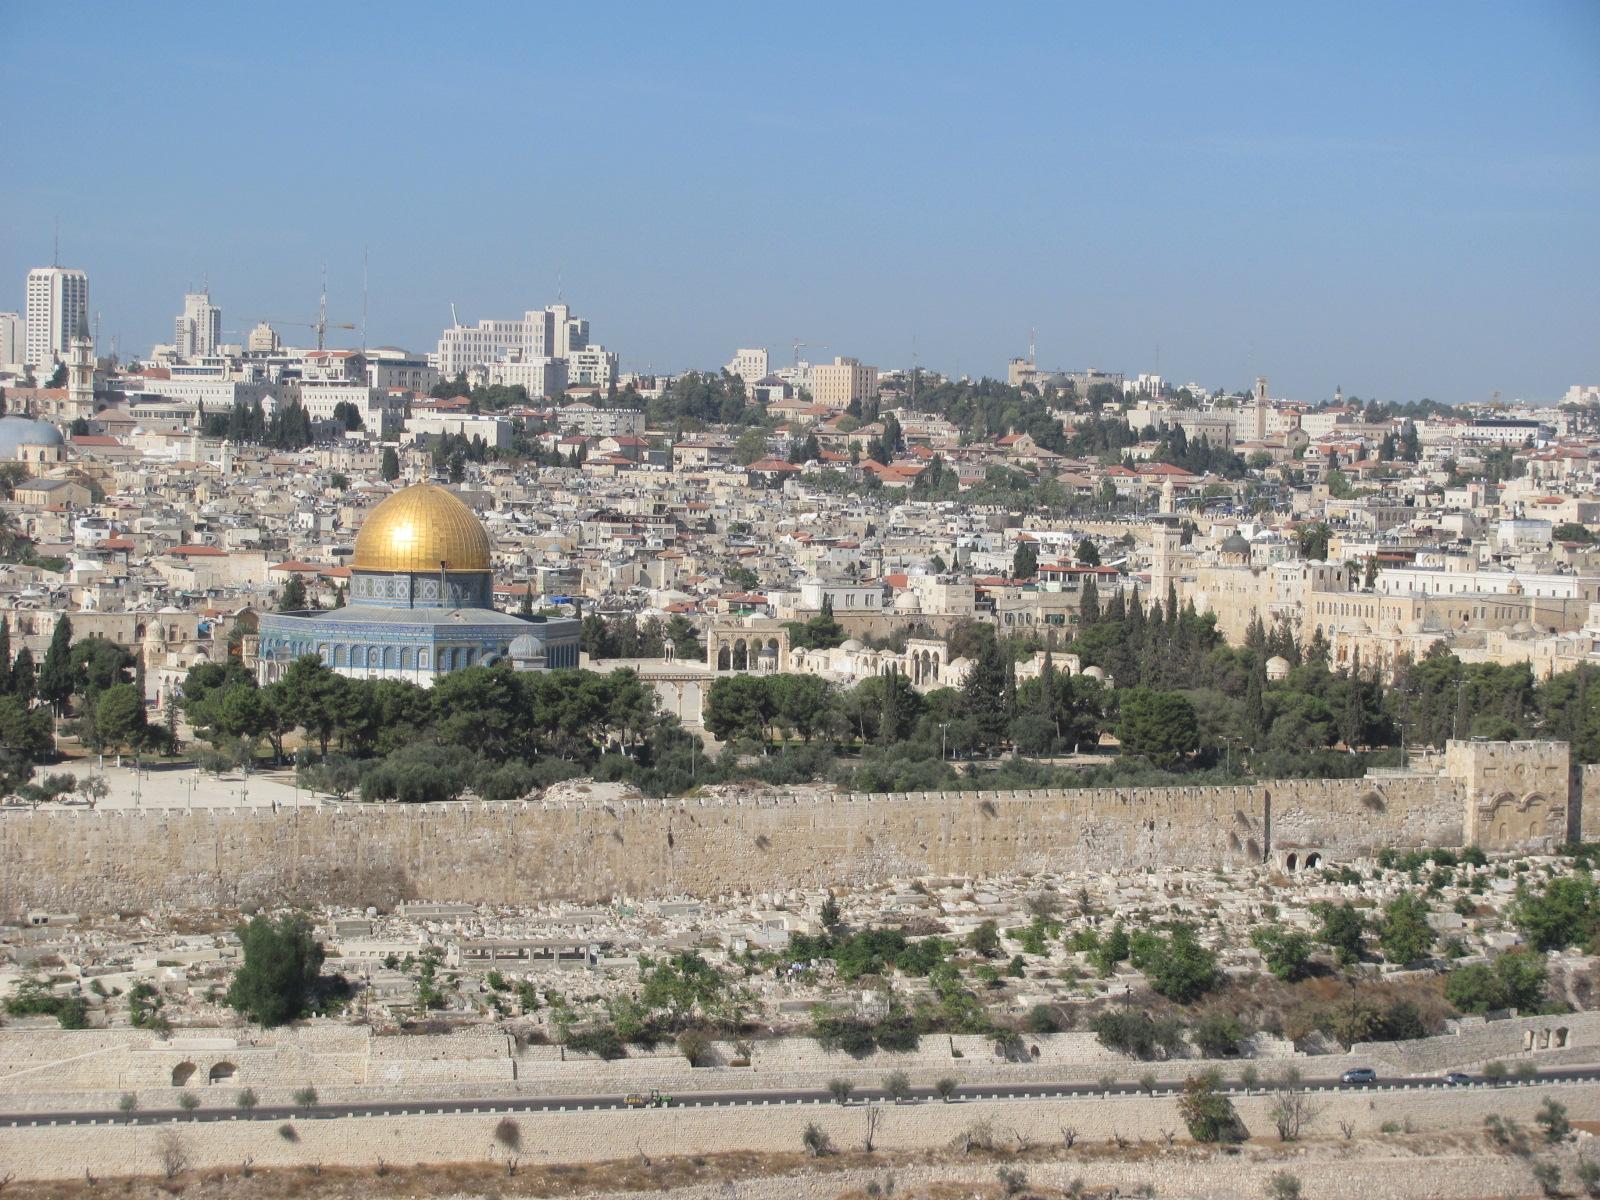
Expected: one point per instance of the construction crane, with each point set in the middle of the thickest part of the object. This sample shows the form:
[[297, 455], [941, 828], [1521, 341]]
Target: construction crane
[[321, 324]]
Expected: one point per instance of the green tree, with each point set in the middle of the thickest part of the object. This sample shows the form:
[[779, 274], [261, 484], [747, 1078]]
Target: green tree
[[740, 706], [751, 447], [1340, 927], [1516, 979], [276, 981], [1025, 561], [1287, 952], [1161, 726], [56, 683], [1088, 554], [293, 596], [1207, 1112], [1404, 932], [1564, 914], [120, 721], [390, 465], [1176, 965]]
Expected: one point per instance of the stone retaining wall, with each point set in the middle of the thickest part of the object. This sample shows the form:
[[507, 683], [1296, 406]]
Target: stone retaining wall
[[588, 1137]]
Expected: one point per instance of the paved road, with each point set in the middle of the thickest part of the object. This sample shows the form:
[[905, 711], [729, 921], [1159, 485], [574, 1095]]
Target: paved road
[[532, 1104]]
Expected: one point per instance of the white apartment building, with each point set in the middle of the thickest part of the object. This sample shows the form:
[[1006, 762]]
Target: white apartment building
[[1431, 581], [197, 331], [836, 384], [1580, 393], [592, 365], [586, 420], [393, 369], [13, 339], [58, 303], [749, 365], [552, 333], [542, 376]]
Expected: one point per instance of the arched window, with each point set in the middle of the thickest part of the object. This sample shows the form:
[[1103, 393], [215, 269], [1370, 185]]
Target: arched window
[[407, 655], [423, 659]]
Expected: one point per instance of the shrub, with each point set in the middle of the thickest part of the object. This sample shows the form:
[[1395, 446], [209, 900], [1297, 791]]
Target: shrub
[[1218, 1034], [1283, 1185], [599, 1040], [1042, 1018], [1548, 1176], [816, 1140], [127, 1102], [1209, 1114], [840, 1090], [1552, 1118], [188, 1101], [695, 1046], [945, 1088], [246, 1100], [305, 1097], [1012, 1179], [897, 1086]]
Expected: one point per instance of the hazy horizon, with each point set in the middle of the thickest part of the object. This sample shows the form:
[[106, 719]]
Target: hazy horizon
[[1400, 202]]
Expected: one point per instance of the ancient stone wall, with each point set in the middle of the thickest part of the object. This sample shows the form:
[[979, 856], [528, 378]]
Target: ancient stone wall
[[590, 850]]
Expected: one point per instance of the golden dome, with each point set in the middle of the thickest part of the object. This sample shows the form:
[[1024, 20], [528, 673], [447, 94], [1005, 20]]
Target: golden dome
[[421, 528]]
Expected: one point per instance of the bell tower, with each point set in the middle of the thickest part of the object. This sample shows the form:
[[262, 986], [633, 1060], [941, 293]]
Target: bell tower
[[80, 373]]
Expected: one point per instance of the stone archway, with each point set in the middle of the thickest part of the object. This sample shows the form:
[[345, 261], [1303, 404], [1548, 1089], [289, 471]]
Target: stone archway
[[182, 1073]]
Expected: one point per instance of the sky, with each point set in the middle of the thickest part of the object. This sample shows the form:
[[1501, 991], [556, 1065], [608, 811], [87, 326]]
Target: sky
[[1399, 200]]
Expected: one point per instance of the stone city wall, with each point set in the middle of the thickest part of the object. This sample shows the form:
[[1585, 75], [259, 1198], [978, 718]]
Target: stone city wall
[[65, 1151], [592, 851]]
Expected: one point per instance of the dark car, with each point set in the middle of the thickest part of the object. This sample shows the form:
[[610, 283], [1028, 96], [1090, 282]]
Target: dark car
[[1458, 1077], [1359, 1075]]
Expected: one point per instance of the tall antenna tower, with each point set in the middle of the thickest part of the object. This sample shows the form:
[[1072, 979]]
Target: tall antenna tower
[[322, 308], [363, 300]]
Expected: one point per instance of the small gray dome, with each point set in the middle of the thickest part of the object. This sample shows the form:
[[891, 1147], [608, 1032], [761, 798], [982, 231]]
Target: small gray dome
[[1235, 544], [525, 645], [16, 432]]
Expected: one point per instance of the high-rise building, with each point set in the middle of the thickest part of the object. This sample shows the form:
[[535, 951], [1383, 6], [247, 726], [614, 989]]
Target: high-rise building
[[13, 338], [198, 329], [750, 365], [58, 303], [263, 339], [836, 384], [552, 333]]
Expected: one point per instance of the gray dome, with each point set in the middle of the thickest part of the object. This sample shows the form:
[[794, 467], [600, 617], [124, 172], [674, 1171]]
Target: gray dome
[[16, 432], [1235, 544], [525, 646]]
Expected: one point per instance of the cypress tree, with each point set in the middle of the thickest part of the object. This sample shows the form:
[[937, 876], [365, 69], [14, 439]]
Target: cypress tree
[[22, 680], [1089, 606], [55, 676], [5, 657]]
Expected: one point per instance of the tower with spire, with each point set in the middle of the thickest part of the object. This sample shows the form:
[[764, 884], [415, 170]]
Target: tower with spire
[[80, 373]]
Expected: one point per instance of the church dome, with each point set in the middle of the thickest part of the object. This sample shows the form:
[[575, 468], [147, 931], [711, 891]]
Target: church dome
[[16, 432], [421, 528]]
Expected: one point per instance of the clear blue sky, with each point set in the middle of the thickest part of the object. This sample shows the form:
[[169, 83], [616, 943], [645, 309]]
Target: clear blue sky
[[1400, 198]]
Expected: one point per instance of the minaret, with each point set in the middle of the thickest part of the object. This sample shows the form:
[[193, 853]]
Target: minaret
[[80, 373], [1259, 407]]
